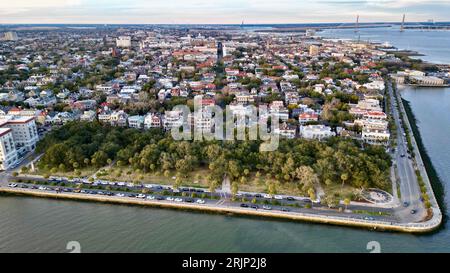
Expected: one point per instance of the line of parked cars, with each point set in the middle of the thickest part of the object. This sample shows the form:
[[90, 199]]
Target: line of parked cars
[[107, 193]]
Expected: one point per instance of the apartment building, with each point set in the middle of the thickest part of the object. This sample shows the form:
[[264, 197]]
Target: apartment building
[[18, 135], [8, 152]]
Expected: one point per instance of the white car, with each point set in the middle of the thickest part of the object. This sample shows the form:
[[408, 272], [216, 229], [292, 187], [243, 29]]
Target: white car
[[150, 197], [121, 184], [141, 196], [130, 185], [178, 200], [120, 195], [267, 208], [12, 185], [268, 196], [148, 186], [169, 199], [41, 188], [278, 197], [200, 201]]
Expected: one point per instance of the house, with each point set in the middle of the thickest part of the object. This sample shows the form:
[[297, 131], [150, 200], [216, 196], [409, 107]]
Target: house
[[316, 132], [136, 122], [119, 118], [286, 131], [88, 116], [173, 119], [152, 120], [304, 118]]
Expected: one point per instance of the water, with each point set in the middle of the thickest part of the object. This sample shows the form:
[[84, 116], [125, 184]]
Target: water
[[41, 225], [433, 44]]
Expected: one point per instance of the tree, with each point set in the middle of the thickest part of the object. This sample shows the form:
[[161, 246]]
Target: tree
[[344, 177], [178, 182], [346, 202], [272, 188], [99, 159], [212, 186], [308, 178], [234, 188], [312, 195]]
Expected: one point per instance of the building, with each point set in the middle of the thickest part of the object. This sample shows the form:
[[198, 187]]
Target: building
[[286, 131], [136, 122], [24, 131], [374, 131], [316, 132], [427, 80], [304, 118], [313, 50], [18, 135], [11, 36], [152, 121], [123, 42], [173, 119], [88, 116], [8, 152]]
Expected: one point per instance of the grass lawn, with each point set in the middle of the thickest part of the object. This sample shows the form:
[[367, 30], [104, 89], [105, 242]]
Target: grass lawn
[[86, 172], [255, 185], [339, 191], [196, 178]]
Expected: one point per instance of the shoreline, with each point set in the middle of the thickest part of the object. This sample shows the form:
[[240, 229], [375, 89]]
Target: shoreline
[[420, 152], [435, 181], [415, 228]]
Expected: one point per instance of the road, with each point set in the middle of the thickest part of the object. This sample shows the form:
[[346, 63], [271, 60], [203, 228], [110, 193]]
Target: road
[[409, 186]]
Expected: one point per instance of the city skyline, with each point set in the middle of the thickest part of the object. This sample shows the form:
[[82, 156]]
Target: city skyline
[[219, 12]]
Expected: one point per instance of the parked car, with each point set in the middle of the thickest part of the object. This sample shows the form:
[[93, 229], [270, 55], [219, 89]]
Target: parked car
[[12, 185], [200, 201], [244, 206], [267, 207]]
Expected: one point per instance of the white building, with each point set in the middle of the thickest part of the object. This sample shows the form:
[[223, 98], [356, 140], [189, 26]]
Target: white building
[[316, 132], [24, 131], [8, 152], [136, 122], [88, 116], [173, 119], [11, 36], [123, 42], [152, 120]]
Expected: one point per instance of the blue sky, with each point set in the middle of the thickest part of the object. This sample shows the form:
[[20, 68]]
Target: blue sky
[[219, 11]]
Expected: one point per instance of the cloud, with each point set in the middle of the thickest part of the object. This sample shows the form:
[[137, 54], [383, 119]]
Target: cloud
[[217, 11]]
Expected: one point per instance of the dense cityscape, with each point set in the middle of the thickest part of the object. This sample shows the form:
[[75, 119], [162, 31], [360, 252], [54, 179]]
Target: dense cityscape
[[254, 137]]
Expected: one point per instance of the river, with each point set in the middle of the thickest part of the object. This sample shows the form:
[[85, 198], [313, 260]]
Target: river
[[42, 225]]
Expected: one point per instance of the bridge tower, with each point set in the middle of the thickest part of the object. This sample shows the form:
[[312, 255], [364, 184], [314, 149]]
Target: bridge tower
[[402, 28], [357, 24]]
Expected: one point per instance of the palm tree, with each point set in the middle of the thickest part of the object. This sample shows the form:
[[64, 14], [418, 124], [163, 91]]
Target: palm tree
[[346, 202], [344, 177]]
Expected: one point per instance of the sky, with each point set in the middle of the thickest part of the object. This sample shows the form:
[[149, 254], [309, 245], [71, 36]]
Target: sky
[[219, 11]]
